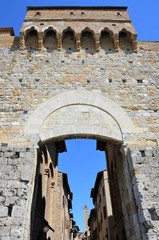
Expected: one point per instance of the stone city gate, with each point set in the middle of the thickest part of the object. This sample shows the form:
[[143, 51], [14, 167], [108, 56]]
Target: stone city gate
[[78, 72]]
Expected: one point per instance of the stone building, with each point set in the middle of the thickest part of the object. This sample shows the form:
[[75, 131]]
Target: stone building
[[86, 216], [78, 72], [53, 195], [101, 221]]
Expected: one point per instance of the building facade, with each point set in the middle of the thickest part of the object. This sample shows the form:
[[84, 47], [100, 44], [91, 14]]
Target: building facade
[[102, 215], [78, 72], [51, 216]]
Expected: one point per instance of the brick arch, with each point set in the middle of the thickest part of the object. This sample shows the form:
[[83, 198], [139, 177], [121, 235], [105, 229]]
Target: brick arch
[[49, 27], [30, 28], [80, 113]]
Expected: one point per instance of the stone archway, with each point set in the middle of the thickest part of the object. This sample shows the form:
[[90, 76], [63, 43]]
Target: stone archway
[[86, 114], [81, 113]]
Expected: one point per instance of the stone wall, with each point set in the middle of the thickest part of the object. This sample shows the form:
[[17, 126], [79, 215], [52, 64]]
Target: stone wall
[[17, 170], [30, 78], [144, 170]]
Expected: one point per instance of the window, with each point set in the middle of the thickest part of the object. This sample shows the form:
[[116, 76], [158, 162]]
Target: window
[[104, 212], [103, 191]]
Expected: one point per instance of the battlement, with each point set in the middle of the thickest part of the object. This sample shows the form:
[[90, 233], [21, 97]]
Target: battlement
[[75, 28]]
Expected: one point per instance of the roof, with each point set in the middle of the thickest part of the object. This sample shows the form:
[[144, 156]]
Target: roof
[[9, 30], [94, 190], [77, 7]]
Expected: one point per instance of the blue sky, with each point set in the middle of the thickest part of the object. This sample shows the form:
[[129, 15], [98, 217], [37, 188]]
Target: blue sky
[[144, 13], [82, 162]]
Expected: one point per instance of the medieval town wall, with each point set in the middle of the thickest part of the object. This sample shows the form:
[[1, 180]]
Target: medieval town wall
[[30, 77]]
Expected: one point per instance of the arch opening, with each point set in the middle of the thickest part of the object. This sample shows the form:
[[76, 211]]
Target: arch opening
[[86, 114], [50, 39], [68, 40], [31, 39], [88, 41], [106, 41], [125, 42], [82, 115], [107, 196]]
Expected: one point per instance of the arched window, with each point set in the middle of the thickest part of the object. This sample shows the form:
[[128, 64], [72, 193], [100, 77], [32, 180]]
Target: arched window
[[50, 40], [31, 39]]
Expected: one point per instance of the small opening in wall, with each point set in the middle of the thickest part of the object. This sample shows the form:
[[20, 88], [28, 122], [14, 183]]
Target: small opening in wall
[[110, 80], [128, 49], [70, 48], [155, 110], [37, 80], [113, 24], [142, 153], [20, 80], [118, 14], [88, 81], [86, 48], [10, 207], [15, 155], [139, 81], [25, 111], [4, 144], [124, 80], [38, 14], [110, 49], [41, 24], [154, 215], [71, 13], [82, 13]]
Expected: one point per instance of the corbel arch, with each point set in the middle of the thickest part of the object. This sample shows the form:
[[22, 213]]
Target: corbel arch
[[125, 40], [68, 39], [49, 27], [50, 38], [106, 39], [88, 40], [31, 37], [30, 28]]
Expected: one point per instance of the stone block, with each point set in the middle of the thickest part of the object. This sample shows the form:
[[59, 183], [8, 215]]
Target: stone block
[[18, 211], [4, 231], [16, 231], [3, 211], [26, 174]]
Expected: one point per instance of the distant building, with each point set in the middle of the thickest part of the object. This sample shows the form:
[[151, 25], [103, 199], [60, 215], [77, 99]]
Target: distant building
[[92, 223], [86, 216], [74, 233], [101, 218]]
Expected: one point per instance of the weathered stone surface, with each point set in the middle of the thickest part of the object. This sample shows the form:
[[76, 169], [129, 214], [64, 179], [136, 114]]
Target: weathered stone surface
[[79, 93]]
